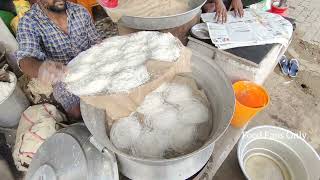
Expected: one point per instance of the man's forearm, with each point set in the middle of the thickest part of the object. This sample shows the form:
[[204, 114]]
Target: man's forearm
[[30, 66]]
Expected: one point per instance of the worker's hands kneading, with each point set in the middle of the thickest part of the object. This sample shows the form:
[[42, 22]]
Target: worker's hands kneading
[[51, 72]]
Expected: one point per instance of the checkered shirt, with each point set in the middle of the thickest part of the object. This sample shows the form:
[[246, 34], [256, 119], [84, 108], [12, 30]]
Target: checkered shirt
[[40, 38]]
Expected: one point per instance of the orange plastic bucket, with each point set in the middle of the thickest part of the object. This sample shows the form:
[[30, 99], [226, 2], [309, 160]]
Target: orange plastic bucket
[[250, 99]]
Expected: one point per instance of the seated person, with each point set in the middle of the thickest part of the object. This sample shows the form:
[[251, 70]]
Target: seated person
[[51, 34]]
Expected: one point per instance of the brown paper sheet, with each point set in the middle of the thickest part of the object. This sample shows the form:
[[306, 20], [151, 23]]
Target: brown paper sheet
[[123, 104]]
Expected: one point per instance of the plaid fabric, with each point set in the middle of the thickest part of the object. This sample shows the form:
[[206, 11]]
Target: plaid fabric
[[40, 38], [65, 98]]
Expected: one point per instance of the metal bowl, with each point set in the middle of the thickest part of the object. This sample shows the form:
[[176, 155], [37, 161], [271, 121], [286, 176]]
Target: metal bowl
[[220, 94], [163, 22], [200, 31], [17, 102], [268, 152]]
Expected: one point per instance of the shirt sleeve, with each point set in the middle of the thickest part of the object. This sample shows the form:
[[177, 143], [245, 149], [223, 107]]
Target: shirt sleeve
[[94, 36], [29, 41]]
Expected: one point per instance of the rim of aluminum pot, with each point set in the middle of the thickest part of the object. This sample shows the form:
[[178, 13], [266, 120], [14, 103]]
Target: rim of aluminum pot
[[14, 87], [213, 137], [197, 7], [242, 144], [175, 15]]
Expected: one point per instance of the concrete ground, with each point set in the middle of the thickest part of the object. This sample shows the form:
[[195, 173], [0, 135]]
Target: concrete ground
[[294, 102]]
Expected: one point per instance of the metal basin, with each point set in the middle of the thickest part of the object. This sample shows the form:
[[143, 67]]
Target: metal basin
[[219, 91], [268, 152], [69, 155], [13, 106], [163, 22]]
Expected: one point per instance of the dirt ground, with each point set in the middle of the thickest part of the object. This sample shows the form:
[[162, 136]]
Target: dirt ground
[[294, 105], [295, 102]]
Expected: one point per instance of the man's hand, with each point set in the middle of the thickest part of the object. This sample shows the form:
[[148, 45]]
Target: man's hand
[[209, 7], [237, 7], [221, 11], [51, 72]]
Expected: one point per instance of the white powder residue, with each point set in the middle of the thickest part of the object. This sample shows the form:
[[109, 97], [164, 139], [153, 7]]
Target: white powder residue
[[6, 88], [121, 60], [175, 122]]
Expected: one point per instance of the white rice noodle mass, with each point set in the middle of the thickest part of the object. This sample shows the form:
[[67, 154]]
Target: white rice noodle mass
[[176, 93], [118, 57], [151, 144], [163, 118], [128, 79], [174, 123]]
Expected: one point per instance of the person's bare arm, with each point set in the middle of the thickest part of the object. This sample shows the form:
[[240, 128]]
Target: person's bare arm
[[31, 57], [237, 7], [30, 66], [221, 11], [48, 72], [218, 7]]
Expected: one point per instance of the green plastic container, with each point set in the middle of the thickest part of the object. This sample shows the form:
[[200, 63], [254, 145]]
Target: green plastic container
[[6, 16]]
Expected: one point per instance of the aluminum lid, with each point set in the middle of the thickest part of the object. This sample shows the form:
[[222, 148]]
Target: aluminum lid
[[69, 154]]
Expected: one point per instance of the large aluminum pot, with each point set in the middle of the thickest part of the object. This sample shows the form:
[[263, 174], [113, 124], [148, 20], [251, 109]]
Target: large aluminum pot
[[164, 22], [69, 155], [13, 106], [270, 152], [219, 91]]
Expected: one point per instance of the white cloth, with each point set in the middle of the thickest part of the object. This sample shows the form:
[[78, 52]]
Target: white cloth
[[37, 123]]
